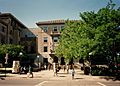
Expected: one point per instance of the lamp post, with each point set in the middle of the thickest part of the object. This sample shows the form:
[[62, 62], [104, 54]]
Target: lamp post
[[116, 64], [90, 54], [20, 53], [38, 61], [118, 54], [6, 62]]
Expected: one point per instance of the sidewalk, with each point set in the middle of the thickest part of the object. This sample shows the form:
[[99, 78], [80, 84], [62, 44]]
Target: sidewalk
[[46, 74], [47, 78]]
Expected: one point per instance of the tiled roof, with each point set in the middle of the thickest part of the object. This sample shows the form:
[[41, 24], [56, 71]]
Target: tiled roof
[[51, 22]]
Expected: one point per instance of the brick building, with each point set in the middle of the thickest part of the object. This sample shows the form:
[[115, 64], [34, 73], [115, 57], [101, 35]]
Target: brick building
[[48, 35], [10, 29]]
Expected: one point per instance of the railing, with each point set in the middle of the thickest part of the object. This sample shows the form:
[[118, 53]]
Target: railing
[[54, 33]]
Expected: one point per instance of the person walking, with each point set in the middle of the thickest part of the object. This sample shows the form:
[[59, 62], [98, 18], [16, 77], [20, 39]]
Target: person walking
[[49, 66], [73, 73], [64, 67], [55, 69], [67, 67], [30, 72]]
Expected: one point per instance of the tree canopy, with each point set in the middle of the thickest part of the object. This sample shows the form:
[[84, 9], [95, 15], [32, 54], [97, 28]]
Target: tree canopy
[[12, 51], [96, 32]]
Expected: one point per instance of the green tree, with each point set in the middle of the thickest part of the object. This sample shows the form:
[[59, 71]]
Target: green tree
[[96, 32], [13, 52]]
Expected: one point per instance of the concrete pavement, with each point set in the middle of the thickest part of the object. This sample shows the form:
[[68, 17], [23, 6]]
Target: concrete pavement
[[47, 78], [46, 74]]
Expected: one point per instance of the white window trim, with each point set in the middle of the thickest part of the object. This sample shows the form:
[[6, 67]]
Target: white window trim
[[55, 27], [45, 38]]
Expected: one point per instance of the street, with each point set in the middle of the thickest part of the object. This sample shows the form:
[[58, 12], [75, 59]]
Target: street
[[46, 78], [78, 83], [19, 82]]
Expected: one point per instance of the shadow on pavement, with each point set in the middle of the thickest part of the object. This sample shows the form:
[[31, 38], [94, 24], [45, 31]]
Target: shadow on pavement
[[79, 78], [110, 78], [80, 73], [62, 73], [2, 78], [62, 76]]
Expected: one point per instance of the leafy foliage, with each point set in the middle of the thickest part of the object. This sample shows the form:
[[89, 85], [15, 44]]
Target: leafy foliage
[[13, 52], [96, 32]]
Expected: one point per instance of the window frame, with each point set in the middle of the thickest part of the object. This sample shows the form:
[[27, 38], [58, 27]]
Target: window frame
[[55, 28], [55, 38], [45, 49], [45, 29], [3, 29], [45, 39]]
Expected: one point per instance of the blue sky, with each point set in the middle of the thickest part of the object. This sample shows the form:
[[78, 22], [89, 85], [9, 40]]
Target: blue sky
[[30, 12]]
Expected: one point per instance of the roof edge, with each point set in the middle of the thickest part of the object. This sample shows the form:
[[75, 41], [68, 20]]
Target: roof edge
[[11, 15]]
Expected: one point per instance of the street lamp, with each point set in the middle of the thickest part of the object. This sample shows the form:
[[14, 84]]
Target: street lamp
[[90, 54], [116, 64], [20, 53], [6, 62], [38, 61], [118, 54]]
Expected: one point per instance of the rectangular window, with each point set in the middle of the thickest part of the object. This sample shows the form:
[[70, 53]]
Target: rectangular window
[[11, 31], [45, 29], [62, 27], [45, 49], [55, 29], [11, 41], [3, 29], [2, 40], [55, 39], [26, 36], [45, 39]]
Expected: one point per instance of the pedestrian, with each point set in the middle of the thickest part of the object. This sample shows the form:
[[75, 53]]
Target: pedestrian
[[73, 73], [64, 67], [30, 72], [55, 69], [67, 68], [45, 67], [49, 66]]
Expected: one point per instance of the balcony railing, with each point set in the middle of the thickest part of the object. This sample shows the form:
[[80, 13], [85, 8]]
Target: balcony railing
[[54, 33]]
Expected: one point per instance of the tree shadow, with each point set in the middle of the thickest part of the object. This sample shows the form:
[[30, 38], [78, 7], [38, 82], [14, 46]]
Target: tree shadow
[[2, 78], [62, 76], [80, 73], [110, 78], [62, 73], [79, 78]]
